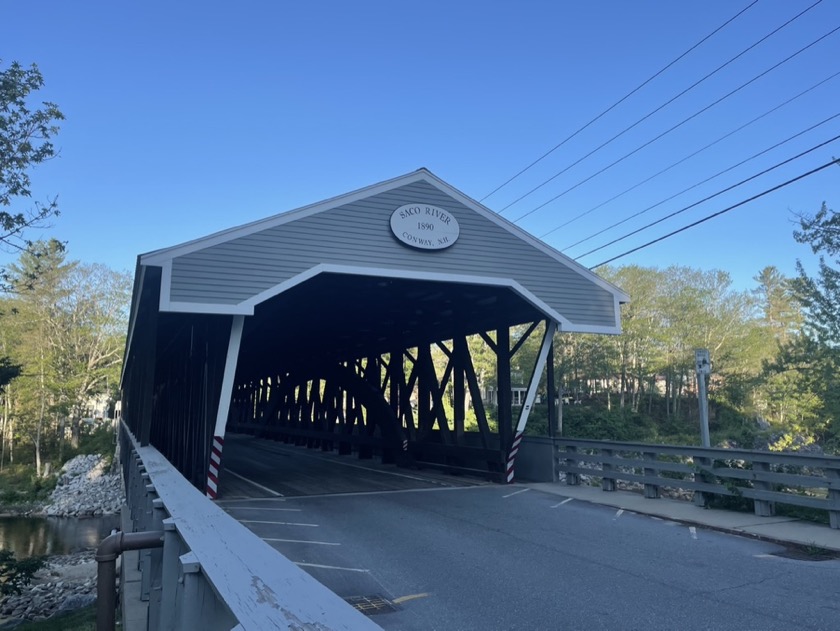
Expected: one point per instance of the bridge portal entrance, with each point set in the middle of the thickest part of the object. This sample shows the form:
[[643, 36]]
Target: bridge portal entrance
[[372, 324]]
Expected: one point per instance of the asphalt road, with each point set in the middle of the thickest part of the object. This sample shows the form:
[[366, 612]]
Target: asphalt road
[[481, 556]]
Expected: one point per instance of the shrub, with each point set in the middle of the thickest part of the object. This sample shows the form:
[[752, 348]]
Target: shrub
[[15, 575]]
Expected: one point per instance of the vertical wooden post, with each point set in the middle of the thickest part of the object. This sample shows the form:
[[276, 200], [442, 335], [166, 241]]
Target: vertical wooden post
[[424, 390], [551, 392], [505, 414], [651, 489], [763, 508], [458, 391], [214, 464], [607, 482], [833, 476]]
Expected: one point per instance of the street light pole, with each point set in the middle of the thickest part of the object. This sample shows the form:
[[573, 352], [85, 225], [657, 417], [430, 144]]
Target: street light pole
[[703, 366]]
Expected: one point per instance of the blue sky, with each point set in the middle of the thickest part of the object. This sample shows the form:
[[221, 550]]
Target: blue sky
[[190, 117]]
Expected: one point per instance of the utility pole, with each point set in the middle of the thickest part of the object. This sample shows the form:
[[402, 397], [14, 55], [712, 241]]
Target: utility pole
[[703, 366]]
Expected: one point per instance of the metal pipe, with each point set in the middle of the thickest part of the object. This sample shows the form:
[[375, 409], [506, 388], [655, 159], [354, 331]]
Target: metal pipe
[[106, 570]]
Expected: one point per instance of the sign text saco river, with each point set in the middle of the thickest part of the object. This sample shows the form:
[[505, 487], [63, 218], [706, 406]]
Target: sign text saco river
[[425, 227]]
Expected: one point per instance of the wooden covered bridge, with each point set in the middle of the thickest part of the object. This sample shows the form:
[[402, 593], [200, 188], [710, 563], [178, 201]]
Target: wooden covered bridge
[[316, 326]]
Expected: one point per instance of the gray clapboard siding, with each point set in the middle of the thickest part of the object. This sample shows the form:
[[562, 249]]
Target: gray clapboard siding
[[359, 234]]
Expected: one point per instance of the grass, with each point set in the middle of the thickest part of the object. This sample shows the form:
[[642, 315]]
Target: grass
[[79, 620], [21, 489], [804, 513]]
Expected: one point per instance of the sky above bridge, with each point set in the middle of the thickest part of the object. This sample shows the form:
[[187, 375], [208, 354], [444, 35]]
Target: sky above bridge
[[191, 117]]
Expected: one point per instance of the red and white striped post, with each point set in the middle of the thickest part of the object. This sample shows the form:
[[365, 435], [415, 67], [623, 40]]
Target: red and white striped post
[[214, 465], [550, 328]]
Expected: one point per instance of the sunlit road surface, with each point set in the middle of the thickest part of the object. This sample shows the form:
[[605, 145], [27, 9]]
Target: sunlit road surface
[[427, 551]]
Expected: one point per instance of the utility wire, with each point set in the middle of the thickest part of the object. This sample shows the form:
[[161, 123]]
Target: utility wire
[[617, 103], [720, 212], [688, 157], [649, 114], [721, 192], [668, 131]]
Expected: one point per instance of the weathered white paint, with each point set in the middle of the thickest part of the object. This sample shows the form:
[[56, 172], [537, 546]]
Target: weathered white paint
[[535, 378], [236, 327], [261, 587]]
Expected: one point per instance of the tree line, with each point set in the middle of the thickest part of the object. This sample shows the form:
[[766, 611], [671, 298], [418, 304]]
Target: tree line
[[775, 350], [62, 337]]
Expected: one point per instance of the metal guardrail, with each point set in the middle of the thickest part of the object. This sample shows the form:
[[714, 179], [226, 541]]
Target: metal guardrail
[[765, 477], [212, 573]]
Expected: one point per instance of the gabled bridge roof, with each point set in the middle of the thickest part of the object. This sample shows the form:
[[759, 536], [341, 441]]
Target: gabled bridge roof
[[350, 237]]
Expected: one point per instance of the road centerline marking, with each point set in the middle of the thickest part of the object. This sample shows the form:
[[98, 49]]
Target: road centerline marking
[[256, 484], [403, 599], [276, 523], [291, 510], [317, 543], [332, 567], [515, 493]]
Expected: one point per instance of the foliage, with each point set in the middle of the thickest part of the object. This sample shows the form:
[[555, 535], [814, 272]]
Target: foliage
[[14, 574], [26, 132], [64, 326], [20, 487], [820, 296]]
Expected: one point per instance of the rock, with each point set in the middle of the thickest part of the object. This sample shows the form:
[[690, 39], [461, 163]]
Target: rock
[[67, 582], [73, 602]]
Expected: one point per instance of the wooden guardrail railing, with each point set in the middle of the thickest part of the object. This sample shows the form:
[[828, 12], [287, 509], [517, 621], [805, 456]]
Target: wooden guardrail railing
[[766, 477], [212, 573]]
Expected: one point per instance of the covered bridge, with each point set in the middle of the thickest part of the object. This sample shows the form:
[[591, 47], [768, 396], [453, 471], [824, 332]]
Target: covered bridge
[[316, 326]]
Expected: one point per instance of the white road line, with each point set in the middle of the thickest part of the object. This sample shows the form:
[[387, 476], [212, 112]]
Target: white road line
[[389, 492], [332, 567], [277, 523], [317, 543], [354, 466], [259, 486], [291, 510], [515, 493], [693, 532], [565, 501], [618, 513], [237, 498]]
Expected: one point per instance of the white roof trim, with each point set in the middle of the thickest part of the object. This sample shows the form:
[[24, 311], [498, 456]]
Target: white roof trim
[[247, 307], [164, 256]]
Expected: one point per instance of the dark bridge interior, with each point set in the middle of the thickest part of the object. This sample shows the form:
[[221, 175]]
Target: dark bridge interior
[[338, 363]]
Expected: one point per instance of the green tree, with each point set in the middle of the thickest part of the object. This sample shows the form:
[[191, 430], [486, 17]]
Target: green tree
[[26, 132], [820, 295], [14, 574], [65, 326]]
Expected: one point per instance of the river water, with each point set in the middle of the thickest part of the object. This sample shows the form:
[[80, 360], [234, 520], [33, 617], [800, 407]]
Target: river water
[[34, 536]]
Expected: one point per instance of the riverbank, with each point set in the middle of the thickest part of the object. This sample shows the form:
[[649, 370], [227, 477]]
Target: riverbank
[[85, 488]]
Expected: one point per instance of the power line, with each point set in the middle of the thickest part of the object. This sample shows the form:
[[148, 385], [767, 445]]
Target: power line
[[668, 131], [649, 114], [720, 212], [688, 157], [617, 103], [693, 186], [725, 190]]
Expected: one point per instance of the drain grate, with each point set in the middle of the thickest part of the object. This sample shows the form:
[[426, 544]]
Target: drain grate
[[808, 553], [371, 605]]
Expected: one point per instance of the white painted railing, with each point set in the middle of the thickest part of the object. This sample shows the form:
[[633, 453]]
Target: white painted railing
[[212, 572]]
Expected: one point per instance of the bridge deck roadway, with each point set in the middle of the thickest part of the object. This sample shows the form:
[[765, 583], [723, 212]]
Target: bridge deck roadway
[[449, 554], [254, 468]]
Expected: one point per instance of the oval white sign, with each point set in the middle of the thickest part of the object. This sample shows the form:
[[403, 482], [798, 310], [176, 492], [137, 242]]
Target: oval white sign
[[424, 226]]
